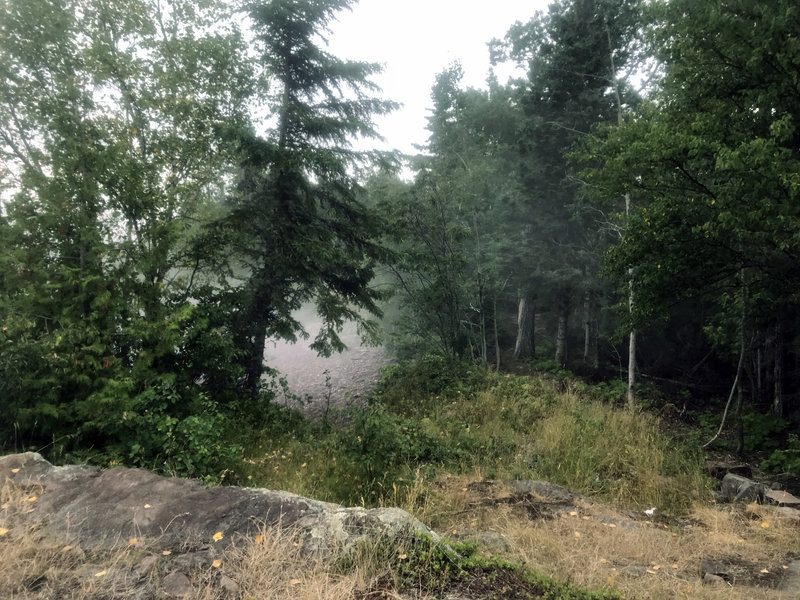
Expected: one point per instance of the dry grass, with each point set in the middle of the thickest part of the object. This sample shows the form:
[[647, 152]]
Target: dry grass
[[268, 567], [597, 546]]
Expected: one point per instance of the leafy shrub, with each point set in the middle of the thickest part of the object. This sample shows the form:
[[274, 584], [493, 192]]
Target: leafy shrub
[[416, 388], [763, 431], [786, 460]]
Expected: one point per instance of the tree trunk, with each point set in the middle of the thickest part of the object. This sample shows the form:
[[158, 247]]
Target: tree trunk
[[496, 336], [561, 335], [631, 397], [778, 408], [525, 346], [590, 331]]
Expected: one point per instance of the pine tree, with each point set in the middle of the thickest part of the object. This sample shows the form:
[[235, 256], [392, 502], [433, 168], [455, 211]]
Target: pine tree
[[296, 225]]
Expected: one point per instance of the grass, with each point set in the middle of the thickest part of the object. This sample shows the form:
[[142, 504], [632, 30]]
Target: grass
[[428, 444], [501, 426]]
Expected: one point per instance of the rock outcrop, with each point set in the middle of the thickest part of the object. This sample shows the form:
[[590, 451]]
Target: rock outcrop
[[103, 509]]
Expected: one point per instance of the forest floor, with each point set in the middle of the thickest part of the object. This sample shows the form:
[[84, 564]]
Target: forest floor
[[453, 446]]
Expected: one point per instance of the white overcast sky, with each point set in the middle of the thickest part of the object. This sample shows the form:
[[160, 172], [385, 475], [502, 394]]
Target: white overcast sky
[[415, 40]]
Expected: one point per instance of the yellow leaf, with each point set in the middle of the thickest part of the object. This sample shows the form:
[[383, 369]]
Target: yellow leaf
[[133, 541], [166, 553], [100, 573], [303, 465], [3, 531], [403, 556], [15, 470], [572, 513], [577, 534], [31, 499], [216, 564], [147, 506], [765, 525], [651, 571], [217, 536], [259, 538]]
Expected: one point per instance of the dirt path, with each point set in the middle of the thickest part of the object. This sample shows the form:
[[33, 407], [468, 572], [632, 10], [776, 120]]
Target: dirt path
[[328, 384]]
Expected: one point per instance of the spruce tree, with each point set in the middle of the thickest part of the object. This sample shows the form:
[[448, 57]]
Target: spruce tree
[[296, 226]]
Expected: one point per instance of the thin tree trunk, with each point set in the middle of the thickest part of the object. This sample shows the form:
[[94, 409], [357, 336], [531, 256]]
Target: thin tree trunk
[[590, 330], [484, 346], [778, 408], [631, 397], [561, 335], [525, 346], [759, 382], [496, 336]]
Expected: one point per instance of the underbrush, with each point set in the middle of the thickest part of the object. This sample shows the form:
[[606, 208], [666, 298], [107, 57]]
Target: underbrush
[[421, 423]]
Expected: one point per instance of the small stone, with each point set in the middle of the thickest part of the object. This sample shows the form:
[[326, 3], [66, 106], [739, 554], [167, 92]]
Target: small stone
[[634, 571], [493, 541], [146, 565], [177, 585], [711, 579], [229, 586], [193, 560]]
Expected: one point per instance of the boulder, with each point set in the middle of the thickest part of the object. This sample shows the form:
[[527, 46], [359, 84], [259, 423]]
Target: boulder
[[736, 488], [104, 509]]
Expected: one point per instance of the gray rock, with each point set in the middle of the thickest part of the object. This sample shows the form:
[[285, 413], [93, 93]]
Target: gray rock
[[711, 579], [708, 566], [229, 586], [781, 498], [146, 565], [549, 492], [633, 571], [791, 578], [177, 585], [192, 560], [103, 509], [493, 541], [736, 488]]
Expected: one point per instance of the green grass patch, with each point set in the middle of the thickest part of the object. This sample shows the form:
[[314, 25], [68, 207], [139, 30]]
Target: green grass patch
[[423, 422]]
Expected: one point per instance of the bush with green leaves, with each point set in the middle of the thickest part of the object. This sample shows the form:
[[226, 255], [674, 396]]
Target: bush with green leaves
[[785, 460]]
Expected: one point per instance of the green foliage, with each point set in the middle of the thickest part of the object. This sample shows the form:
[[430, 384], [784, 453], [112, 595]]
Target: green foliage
[[785, 460], [298, 185], [763, 432], [415, 388], [421, 564]]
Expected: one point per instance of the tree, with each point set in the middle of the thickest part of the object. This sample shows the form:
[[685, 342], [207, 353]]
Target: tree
[[109, 114], [712, 166], [296, 229], [452, 260], [572, 54]]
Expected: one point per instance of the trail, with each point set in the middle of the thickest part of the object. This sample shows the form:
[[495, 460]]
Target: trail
[[350, 375]]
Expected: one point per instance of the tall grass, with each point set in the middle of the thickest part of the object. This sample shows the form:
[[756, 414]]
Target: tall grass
[[469, 420]]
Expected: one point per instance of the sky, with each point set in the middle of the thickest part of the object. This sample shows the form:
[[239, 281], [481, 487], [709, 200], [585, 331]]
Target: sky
[[415, 40]]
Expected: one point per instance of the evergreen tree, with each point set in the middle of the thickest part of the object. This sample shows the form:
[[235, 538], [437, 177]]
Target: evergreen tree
[[297, 229]]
